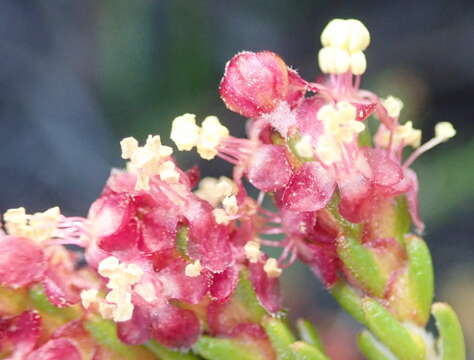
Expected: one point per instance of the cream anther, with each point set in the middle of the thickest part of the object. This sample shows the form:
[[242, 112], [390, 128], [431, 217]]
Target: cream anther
[[215, 190], [147, 160], [252, 251], [444, 130], [212, 133], [88, 297], [271, 268], [39, 227], [340, 126], [393, 105], [304, 148], [121, 278], [185, 132], [343, 44], [193, 269], [147, 291]]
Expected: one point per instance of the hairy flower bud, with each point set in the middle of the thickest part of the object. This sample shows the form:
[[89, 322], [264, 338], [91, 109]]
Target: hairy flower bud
[[254, 83]]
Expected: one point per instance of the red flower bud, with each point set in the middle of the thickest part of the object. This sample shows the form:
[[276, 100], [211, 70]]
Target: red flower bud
[[254, 83]]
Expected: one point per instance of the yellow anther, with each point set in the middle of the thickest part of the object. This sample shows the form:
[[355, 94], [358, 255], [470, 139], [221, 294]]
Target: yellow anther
[[39, 227], [271, 268], [212, 133], [358, 36], [334, 33], [123, 312], [221, 216], [304, 148], [252, 251], [193, 269], [408, 134], [393, 105], [185, 132], [147, 291], [230, 205], [121, 278], [343, 44], [333, 60], [132, 273], [88, 297], [168, 172], [146, 161], [129, 145], [404, 134], [340, 126], [350, 35], [444, 131], [215, 190], [108, 266], [358, 63], [327, 150], [118, 297]]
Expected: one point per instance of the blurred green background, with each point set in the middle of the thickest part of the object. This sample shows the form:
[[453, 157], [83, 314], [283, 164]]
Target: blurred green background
[[77, 76]]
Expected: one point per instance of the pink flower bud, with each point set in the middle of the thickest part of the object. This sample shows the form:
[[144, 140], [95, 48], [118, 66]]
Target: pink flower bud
[[254, 83]]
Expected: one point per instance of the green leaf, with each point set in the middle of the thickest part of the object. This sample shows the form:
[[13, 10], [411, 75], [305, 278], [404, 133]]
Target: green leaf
[[361, 263], [391, 332], [372, 348], [219, 348], [167, 354], [349, 300], [305, 351], [420, 275], [280, 337], [451, 336], [309, 333]]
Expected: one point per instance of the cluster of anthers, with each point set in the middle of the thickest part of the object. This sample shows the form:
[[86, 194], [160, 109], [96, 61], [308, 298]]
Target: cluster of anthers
[[159, 245], [187, 134], [118, 301], [343, 44], [148, 160], [39, 227], [220, 193]]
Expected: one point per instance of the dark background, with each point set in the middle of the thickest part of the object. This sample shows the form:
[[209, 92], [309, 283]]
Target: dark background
[[77, 76]]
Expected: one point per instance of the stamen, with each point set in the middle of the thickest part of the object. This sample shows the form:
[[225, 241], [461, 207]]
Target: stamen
[[184, 132], [343, 44], [304, 148], [252, 251], [271, 268], [230, 205], [212, 133], [147, 160], [215, 190], [147, 291], [393, 105], [88, 297], [443, 132], [340, 127], [193, 269], [39, 227], [121, 278]]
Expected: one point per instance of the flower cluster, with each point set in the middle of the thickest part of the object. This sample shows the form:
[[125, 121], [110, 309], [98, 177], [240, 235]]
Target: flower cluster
[[173, 258], [310, 147]]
